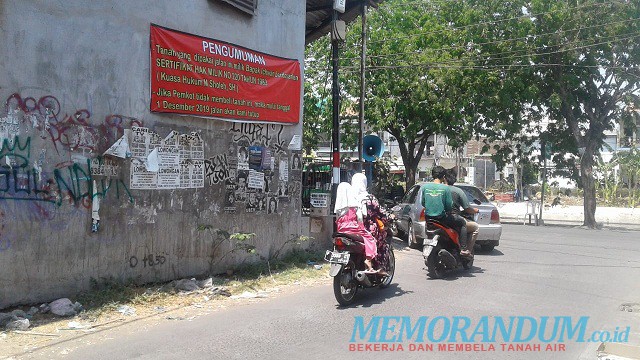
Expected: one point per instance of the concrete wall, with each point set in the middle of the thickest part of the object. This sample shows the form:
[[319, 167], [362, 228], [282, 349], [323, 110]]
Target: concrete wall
[[74, 76]]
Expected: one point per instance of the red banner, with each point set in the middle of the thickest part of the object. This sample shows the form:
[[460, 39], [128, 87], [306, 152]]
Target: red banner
[[198, 76]]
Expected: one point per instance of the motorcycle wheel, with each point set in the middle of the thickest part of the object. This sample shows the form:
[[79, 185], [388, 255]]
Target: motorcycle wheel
[[345, 286], [391, 269], [434, 269]]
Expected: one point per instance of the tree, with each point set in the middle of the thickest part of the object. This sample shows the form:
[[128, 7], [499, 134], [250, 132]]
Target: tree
[[590, 80], [423, 76]]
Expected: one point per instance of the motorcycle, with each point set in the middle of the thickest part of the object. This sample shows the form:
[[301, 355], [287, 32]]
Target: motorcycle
[[347, 263], [441, 251]]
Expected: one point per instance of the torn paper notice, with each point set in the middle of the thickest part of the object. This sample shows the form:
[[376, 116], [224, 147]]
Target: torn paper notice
[[296, 143], [120, 148], [95, 206], [153, 162]]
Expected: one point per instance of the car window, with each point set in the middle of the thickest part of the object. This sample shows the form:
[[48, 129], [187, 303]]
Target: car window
[[473, 193], [410, 196]]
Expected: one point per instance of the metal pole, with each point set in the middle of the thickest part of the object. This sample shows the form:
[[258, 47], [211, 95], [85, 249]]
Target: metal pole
[[335, 102], [363, 51], [544, 177]]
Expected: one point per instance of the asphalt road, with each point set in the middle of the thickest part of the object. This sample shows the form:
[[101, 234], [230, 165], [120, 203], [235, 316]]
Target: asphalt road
[[536, 271]]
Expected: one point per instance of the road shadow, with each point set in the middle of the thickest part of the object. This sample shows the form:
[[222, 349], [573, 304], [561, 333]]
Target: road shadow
[[374, 296], [456, 274], [494, 252]]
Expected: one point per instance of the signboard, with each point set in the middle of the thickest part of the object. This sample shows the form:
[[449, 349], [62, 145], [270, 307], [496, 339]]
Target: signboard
[[320, 199], [193, 75]]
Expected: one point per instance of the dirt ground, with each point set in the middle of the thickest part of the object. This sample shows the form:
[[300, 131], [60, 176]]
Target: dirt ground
[[48, 330]]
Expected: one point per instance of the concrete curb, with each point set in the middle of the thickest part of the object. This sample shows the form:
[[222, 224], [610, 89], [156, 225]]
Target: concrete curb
[[618, 351]]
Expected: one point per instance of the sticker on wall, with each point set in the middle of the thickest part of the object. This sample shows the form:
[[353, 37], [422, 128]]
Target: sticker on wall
[[269, 184], [283, 189], [255, 158], [296, 164], [267, 159], [241, 185], [256, 180], [252, 202], [261, 201], [104, 167], [230, 201], [243, 158], [283, 170], [272, 207], [295, 143]]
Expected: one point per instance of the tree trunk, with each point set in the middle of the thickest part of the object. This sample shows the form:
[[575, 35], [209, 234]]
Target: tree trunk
[[589, 186], [410, 174]]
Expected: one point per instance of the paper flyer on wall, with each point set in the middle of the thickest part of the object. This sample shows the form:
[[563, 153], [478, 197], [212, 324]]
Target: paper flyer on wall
[[185, 174], [141, 178], [140, 139], [104, 167], [283, 170], [197, 173], [120, 148], [296, 143], [184, 144], [197, 146], [168, 167], [256, 180]]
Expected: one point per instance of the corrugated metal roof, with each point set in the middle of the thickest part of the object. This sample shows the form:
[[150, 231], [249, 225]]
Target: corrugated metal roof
[[320, 12]]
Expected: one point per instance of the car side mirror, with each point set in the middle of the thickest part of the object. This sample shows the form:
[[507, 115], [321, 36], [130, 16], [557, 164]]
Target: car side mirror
[[477, 202]]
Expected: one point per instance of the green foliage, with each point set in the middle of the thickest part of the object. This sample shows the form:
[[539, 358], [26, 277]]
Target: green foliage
[[235, 243]]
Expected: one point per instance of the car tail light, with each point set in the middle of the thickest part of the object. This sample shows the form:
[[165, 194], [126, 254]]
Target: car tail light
[[422, 218], [495, 216], [339, 244]]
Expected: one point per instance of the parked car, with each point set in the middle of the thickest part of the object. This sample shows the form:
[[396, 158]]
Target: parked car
[[411, 221]]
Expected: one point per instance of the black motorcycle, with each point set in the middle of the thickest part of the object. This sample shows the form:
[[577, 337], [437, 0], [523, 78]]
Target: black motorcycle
[[348, 269], [441, 250]]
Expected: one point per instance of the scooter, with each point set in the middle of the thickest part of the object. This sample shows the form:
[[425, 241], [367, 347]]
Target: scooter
[[441, 251], [348, 269]]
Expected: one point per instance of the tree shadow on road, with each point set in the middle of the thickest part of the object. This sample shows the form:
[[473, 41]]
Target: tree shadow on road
[[374, 296]]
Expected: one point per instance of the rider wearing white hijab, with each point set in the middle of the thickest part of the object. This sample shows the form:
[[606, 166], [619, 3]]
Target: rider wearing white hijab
[[344, 199], [359, 193]]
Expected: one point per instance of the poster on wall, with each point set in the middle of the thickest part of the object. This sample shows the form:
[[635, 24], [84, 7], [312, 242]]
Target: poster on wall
[[197, 173], [169, 167], [141, 178], [194, 75]]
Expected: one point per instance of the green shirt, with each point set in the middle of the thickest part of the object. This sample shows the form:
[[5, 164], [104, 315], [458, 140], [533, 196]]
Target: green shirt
[[460, 199], [436, 199]]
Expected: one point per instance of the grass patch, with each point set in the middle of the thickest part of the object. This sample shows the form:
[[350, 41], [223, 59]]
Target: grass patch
[[107, 295]]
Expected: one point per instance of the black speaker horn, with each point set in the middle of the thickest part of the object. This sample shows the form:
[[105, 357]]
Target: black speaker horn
[[372, 148]]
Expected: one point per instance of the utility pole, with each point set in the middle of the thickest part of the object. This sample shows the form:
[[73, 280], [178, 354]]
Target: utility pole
[[544, 176], [335, 101], [363, 51]]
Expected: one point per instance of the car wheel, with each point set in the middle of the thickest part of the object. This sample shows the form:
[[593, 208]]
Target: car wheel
[[411, 236], [487, 248]]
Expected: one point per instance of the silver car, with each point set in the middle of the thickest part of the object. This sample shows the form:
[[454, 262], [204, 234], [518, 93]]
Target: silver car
[[411, 221]]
